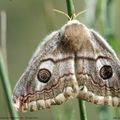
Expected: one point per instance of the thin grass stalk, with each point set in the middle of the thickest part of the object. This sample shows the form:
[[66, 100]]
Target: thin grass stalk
[[3, 69], [82, 107], [105, 16], [3, 34], [70, 8], [7, 88]]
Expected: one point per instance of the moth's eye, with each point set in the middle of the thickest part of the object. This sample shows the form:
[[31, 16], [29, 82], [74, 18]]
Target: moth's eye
[[44, 75], [106, 72]]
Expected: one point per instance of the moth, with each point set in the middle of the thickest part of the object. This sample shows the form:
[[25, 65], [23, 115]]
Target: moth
[[72, 62]]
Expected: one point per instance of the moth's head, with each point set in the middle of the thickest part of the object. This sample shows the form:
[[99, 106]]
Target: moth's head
[[75, 34]]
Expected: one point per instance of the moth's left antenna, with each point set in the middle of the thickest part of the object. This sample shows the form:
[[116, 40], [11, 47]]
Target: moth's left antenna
[[63, 13]]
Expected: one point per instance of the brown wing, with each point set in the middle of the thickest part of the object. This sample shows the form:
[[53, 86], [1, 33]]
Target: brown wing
[[98, 72], [48, 79]]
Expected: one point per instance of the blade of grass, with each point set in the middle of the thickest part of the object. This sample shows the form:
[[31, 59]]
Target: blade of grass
[[91, 13], [105, 16], [3, 34], [82, 108], [6, 87], [3, 69], [70, 8], [71, 13]]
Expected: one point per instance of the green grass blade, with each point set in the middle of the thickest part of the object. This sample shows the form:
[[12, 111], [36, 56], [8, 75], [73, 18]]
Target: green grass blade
[[7, 88], [70, 8], [82, 109]]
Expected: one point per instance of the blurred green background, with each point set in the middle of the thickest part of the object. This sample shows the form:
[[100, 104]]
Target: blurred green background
[[28, 22]]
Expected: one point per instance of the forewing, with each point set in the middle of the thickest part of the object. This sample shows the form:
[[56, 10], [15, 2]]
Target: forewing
[[98, 72], [48, 79]]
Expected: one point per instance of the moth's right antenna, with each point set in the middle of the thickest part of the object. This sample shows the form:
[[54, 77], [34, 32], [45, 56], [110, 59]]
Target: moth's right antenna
[[80, 13]]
